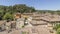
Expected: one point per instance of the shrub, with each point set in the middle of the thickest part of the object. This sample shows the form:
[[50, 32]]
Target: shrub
[[8, 16], [58, 31], [56, 26]]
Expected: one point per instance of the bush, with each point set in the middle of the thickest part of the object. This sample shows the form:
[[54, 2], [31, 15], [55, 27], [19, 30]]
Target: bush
[[25, 32], [56, 26], [58, 31], [8, 16]]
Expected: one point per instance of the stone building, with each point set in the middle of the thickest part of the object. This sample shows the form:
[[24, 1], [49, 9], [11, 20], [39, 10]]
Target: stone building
[[41, 23], [46, 20]]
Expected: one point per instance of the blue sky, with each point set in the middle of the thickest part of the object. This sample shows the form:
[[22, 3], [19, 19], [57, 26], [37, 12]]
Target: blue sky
[[38, 4]]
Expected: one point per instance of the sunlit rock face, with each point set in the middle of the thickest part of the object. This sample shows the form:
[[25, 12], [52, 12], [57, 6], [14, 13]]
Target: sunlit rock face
[[19, 23]]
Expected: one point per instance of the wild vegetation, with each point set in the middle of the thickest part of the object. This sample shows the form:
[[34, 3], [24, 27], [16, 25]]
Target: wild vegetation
[[57, 28], [6, 12], [20, 8]]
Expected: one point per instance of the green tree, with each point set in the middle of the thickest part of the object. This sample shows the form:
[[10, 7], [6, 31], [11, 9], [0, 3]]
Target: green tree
[[21, 8]]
